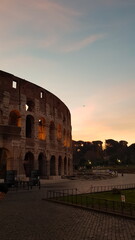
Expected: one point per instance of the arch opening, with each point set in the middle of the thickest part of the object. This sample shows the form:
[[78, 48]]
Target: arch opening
[[60, 166], [41, 129], [28, 163], [69, 165], [64, 137], [14, 118], [42, 165], [59, 132], [65, 166], [30, 106], [52, 131], [5, 162], [29, 126]]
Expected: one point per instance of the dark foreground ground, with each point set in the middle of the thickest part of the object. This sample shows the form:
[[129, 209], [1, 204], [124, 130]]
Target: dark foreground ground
[[25, 216]]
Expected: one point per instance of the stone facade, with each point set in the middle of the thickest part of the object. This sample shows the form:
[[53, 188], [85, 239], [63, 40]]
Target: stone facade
[[35, 130]]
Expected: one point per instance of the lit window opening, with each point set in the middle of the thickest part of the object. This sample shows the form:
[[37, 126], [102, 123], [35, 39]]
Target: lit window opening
[[40, 122], [26, 107], [41, 94], [41, 129], [29, 106], [14, 84]]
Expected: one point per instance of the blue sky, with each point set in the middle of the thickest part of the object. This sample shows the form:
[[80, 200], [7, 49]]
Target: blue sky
[[83, 52]]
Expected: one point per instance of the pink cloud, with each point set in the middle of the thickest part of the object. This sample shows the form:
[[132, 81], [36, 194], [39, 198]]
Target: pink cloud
[[55, 7], [27, 19], [83, 43], [41, 13]]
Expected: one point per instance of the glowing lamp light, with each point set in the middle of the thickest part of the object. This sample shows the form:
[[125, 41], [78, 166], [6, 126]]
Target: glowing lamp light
[[118, 160]]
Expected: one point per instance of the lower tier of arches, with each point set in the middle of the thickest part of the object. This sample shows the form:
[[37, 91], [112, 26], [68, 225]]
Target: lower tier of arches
[[48, 165]]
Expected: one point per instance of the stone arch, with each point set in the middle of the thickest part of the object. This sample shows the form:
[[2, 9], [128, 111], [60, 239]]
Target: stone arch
[[52, 131], [65, 166], [64, 137], [60, 165], [41, 129], [52, 166], [42, 165], [30, 105], [4, 161], [28, 163], [68, 139], [59, 132], [15, 118], [29, 126], [69, 166]]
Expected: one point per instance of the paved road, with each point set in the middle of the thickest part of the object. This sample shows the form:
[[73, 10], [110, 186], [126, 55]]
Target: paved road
[[25, 216], [85, 186]]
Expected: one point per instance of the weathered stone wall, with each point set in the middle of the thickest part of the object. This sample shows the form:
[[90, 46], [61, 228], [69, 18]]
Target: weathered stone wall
[[35, 129]]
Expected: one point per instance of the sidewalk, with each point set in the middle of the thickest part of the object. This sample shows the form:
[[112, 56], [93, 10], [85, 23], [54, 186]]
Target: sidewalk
[[25, 216], [85, 185]]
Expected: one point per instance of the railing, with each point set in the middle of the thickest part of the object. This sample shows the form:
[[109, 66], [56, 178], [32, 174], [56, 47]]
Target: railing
[[89, 201], [54, 194], [18, 185], [94, 189], [22, 185]]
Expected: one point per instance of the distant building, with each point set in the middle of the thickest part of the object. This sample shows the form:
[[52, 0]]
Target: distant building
[[35, 130]]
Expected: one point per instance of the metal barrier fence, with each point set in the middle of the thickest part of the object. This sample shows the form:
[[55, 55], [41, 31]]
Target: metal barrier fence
[[53, 194], [71, 197], [94, 189], [22, 185]]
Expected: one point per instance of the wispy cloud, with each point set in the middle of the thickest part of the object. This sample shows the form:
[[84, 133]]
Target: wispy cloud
[[83, 43], [41, 23], [42, 14], [52, 6]]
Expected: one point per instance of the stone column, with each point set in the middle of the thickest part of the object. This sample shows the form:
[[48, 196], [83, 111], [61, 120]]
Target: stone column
[[62, 167], [36, 165], [48, 168]]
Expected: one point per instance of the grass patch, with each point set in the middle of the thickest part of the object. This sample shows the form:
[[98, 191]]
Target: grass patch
[[104, 201], [110, 196], [129, 195]]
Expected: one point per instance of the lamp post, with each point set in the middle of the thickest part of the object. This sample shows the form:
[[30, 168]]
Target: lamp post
[[119, 161], [89, 164]]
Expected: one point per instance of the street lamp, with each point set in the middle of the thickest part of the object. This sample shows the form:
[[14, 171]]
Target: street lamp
[[118, 160]]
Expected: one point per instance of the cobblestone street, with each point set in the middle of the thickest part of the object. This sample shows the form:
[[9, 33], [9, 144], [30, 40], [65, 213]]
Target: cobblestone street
[[25, 216]]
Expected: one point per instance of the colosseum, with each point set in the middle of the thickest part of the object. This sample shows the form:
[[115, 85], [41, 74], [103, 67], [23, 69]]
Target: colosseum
[[35, 130]]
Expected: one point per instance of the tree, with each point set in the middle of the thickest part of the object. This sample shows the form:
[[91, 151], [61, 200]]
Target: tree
[[131, 154]]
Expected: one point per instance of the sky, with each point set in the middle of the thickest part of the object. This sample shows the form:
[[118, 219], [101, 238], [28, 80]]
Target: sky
[[81, 51]]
